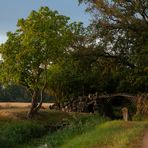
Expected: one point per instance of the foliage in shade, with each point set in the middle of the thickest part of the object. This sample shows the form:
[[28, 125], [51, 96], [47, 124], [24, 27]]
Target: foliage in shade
[[122, 29]]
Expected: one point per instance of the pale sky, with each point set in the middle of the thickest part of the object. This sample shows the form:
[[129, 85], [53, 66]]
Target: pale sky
[[12, 10]]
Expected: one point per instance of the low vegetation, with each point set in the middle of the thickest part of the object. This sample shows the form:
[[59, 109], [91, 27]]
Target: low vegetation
[[79, 125], [66, 130], [94, 134], [112, 134], [16, 130]]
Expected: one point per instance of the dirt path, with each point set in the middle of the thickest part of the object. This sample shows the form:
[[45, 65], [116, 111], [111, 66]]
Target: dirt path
[[145, 140]]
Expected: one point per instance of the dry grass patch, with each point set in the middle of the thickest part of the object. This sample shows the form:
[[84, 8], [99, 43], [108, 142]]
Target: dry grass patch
[[44, 116], [13, 113], [5, 105]]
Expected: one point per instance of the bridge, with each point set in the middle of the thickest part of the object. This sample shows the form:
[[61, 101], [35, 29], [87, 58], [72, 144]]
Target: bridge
[[117, 94], [111, 104], [109, 97], [108, 105]]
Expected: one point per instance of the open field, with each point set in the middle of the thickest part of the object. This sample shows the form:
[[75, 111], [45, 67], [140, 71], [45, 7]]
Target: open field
[[5, 105]]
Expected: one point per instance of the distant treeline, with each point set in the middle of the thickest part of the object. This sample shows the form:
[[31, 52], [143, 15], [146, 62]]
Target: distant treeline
[[16, 93]]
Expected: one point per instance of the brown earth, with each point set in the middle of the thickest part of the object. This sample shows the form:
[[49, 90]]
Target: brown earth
[[141, 141], [145, 140]]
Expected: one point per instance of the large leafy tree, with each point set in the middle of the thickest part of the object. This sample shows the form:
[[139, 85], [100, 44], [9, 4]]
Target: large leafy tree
[[74, 74], [40, 40], [82, 70], [121, 26]]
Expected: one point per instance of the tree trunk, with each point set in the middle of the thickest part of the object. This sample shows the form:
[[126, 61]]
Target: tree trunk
[[41, 93], [33, 104], [36, 109]]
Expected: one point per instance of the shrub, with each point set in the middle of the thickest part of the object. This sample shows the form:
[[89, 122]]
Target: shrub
[[5, 143], [77, 126], [20, 132], [137, 117]]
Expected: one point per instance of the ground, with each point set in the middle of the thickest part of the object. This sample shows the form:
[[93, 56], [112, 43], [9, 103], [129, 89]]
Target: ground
[[4, 105], [145, 139], [83, 131]]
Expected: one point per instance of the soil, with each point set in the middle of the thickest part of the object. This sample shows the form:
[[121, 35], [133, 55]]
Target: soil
[[145, 140]]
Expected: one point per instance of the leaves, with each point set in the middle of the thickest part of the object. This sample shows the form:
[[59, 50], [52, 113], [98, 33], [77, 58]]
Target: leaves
[[40, 39]]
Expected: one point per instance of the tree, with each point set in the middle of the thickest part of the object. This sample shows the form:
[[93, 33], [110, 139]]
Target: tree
[[121, 26], [72, 76], [38, 42]]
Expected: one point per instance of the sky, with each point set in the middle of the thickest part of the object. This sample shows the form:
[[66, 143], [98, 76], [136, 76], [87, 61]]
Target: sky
[[12, 10]]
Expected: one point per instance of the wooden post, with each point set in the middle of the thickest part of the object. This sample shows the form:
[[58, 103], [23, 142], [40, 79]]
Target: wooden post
[[125, 113]]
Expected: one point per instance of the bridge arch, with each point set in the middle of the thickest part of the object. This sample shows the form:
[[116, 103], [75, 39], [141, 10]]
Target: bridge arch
[[111, 105]]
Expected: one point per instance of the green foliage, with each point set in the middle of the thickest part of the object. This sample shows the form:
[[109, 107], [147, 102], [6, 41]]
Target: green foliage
[[69, 60], [121, 27], [77, 126], [15, 133], [39, 40], [93, 131], [106, 56], [4, 143], [109, 134], [138, 117], [83, 130]]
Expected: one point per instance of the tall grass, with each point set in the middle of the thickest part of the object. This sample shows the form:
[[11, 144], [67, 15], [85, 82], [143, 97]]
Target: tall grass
[[112, 134], [93, 132], [77, 126], [82, 131], [14, 133]]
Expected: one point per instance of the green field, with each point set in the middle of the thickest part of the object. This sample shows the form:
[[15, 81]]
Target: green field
[[55, 129]]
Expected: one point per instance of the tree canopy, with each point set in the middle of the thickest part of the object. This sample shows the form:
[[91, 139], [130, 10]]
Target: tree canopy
[[39, 41], [122, 28], [67, 60]]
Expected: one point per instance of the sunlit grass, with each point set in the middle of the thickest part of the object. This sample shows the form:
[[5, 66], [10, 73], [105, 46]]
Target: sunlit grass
[[78, 125], [112, 134]]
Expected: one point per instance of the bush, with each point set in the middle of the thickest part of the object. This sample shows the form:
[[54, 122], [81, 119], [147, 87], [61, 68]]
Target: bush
[[77, 126], [5, 143], [137, 117], [20, 132]]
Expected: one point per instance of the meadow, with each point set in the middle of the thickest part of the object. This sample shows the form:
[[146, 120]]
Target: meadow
[[56, 129], [4, 105]]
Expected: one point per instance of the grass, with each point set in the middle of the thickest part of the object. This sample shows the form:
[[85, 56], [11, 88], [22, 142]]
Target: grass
[[112, 134], [93, 132], [16, 129], [82, 130], [8, 105], [14, 133], [78, 125]]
